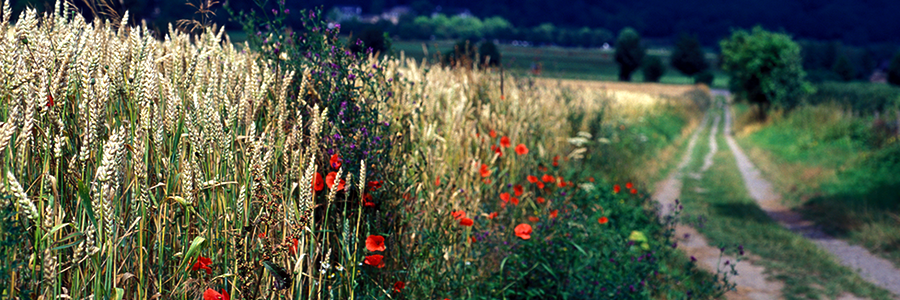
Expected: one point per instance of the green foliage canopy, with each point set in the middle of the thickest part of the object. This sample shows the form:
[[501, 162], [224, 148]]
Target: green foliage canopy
[[687, 56], [765, 68], [629, 53]]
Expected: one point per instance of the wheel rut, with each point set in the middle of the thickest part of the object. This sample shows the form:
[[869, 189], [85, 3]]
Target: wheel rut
[[751, 281], [873, 269]]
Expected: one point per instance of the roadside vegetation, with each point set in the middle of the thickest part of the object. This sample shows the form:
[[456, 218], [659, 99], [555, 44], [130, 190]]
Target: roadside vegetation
[[836, 161]]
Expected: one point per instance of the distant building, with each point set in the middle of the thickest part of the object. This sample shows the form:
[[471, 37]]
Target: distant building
[[878, 76], [345, 13], [451, 12], [393, 15]]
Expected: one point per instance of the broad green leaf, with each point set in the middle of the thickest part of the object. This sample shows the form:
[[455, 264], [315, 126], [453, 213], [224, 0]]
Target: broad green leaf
[[194, 250]]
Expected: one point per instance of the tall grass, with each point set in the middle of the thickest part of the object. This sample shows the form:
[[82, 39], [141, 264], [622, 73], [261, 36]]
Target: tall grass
[[187, 167]]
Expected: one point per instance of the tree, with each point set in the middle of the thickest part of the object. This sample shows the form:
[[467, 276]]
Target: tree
[[688, 56], [844, 69], [765, 68], [629, 53], [894, 70], [653, 68]]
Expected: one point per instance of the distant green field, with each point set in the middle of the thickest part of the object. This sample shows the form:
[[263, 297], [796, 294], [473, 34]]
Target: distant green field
[[557, 62]]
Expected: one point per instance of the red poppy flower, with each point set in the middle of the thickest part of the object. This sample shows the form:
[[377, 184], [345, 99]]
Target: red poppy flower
[[486, 181], [458, 214], [523, 231], [547, 178], [504, 141], [514, 200], [335, 161], [318, 183], [202, 263], [591, 179], [616, 189], [367, 200], [629, 185], [540, 185], [262, 235], [374, 260], [602, 220], [633, 191], [293, 248], [542, 168], [517, 189], [437, 182], [561, 182], [399, 285], [466, 222], [374, 185], [497, 149], [225, 295], [493, 134], [485, 172], [375, 243], [521, 149], [540, 200], [211, 294], [504, 197], [49, 100], [554, 213], [472, 239], [532, 178], [329, 181], [556, 161], [492, 215], [534, 219]]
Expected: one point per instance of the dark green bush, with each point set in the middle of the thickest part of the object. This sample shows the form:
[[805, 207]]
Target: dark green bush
[[894, 70], [465, 53], [489, 54], [706, 77], [844, 69], [371, 37], [863, 97], [653, 69]]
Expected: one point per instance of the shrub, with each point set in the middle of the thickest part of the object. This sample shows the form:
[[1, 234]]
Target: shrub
[[653, 68], [844, 69], [705, 77], [688, 56], [373, 38], [629, 53], [465, 53], [863, 97], [462, 54], [489, 54], [893, 76], [765, 68]]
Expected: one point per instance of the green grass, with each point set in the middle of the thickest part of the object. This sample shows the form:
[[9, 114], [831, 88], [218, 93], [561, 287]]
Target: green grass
[[557, 62], [720, 207], [839, 170]]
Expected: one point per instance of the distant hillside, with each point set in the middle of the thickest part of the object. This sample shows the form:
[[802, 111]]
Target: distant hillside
[[853, 22]]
